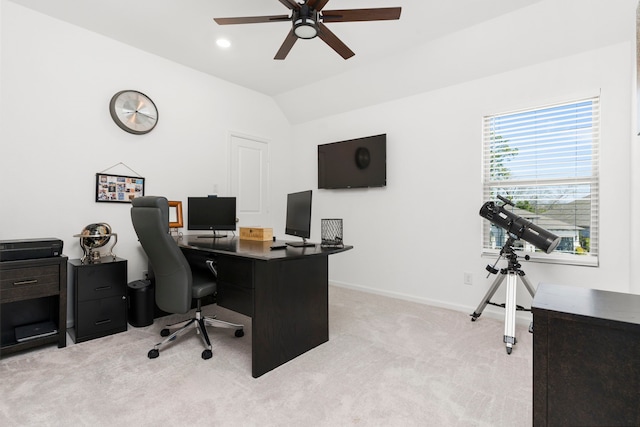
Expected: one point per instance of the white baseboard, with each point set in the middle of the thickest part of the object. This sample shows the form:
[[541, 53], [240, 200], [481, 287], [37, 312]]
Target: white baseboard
[[522, 318]]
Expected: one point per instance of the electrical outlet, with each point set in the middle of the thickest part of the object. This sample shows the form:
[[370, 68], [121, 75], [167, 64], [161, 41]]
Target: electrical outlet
[[145, 274], [468, 279]]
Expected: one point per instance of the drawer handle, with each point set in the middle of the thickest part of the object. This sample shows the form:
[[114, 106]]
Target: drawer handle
[[102, 322], [103, 288], [26, 282]]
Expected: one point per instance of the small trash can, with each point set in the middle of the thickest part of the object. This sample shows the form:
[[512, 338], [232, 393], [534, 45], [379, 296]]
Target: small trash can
[[140, 303]]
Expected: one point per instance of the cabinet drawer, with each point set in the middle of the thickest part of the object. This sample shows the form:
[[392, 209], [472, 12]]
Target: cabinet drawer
[[101, 281], [29, 282], [100, 316]]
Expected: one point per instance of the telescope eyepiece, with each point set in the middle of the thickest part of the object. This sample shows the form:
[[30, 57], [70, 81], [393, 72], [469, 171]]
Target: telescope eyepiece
[[506, 201]]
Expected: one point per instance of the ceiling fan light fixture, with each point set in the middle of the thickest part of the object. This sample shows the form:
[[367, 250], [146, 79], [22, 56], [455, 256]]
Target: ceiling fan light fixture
[[305, 28], [305, 23]]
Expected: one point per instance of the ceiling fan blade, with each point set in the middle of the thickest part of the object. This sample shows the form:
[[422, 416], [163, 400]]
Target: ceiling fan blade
[[290, 4], [379, 14], [334, 42], [317, 4], [251, 19], [288, 43]]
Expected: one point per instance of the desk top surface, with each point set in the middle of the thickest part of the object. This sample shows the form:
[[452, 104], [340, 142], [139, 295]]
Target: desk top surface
[[253, 249], [615, 306]]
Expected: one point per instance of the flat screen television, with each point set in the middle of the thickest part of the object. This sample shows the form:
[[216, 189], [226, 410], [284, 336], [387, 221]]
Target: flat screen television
[[298, 222], [354, 163], [211, 213]]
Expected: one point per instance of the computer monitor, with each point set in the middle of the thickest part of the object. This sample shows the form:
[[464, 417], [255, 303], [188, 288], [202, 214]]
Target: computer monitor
[[298, 221], [211, 213]]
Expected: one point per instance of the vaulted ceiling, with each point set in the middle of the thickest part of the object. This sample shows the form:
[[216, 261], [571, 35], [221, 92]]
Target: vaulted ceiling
[[434, 44], [184, 31]]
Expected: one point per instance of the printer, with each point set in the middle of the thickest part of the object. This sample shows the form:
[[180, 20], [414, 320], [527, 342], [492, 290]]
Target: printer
[[13, 250]]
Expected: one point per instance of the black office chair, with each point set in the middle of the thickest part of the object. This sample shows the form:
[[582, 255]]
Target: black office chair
[[175, 282]]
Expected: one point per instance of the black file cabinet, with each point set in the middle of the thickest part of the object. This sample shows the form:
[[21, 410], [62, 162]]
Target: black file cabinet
[[100, 298]]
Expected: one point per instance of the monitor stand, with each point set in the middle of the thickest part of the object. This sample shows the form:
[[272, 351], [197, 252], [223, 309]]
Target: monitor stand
[[302, 244], [214, 235]]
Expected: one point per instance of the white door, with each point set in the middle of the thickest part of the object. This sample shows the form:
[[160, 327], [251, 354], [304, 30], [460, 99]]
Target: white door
[[249, 174]]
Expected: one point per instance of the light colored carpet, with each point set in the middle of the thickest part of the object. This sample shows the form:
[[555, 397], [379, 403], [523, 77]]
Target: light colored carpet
[[388, 362]]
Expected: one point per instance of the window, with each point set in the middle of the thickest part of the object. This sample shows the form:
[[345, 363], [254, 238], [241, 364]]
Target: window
[[545, 160]]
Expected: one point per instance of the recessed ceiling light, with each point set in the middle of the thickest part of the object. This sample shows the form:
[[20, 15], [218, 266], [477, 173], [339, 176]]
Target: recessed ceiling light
[[223, 43]]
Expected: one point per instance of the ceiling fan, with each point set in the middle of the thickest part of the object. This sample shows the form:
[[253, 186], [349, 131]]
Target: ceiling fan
[[308, 20]]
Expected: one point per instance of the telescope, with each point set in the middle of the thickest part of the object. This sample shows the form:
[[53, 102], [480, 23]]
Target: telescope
[[519, 227]]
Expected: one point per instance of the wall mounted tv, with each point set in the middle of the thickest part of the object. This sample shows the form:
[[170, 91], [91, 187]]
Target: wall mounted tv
[[354, 163]]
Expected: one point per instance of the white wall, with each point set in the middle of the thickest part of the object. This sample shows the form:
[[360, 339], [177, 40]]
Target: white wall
[[57, 81], [416, 237]]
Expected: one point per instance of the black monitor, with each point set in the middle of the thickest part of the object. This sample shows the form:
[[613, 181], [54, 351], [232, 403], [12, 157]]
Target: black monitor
[[211, 213], [299, 217]]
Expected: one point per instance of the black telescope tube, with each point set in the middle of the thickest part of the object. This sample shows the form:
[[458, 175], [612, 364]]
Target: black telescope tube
[[520, 227]]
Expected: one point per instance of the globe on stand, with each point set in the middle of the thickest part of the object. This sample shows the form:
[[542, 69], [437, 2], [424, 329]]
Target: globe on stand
[[95, 236]]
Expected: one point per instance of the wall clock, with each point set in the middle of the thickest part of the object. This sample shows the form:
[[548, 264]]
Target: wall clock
[[133, 112]]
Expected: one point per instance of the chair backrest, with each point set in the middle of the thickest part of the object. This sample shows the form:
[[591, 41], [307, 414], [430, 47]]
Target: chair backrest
[[173, 280]]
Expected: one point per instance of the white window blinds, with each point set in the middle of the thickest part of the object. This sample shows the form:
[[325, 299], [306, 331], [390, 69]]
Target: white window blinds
[[545, 160]]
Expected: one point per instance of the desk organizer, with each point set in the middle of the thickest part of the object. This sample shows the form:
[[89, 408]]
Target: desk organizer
[[331, 233]]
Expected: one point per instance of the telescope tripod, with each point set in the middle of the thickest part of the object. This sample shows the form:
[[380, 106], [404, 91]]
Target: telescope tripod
[[512, 273]]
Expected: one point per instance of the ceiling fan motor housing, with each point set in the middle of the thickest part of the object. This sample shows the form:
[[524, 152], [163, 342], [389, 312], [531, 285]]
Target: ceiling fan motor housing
[[305, 22]]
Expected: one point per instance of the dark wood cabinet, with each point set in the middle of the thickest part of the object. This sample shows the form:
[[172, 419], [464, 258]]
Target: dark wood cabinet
[[586, 357], [31, 292], [100, 298]]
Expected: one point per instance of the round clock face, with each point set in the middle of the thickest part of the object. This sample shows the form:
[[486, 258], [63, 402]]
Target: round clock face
[[133, 111]]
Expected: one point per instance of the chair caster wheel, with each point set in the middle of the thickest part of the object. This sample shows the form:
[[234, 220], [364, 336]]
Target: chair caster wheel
[[165, 332], [153, 354], [239, 333], [206, 354]]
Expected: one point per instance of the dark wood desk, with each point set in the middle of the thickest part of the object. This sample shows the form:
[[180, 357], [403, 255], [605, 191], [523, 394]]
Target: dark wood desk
[[586, 345], [284, 291]]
